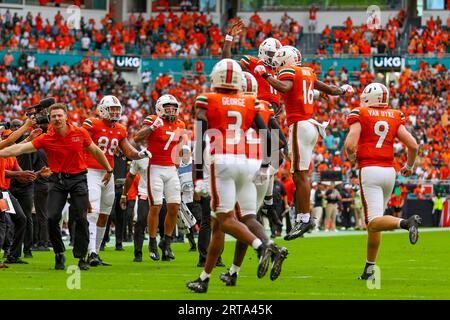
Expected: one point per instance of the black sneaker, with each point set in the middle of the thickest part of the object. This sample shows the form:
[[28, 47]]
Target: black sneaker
[[193, 248], [60, 261], [40, 248], [198, 285], [119, 247], [103, 263], [300, 228], [264, 252], [277, 263], [229, 279], [413, 228], [28, 255], [83, 265], [93, 260], [153, 250], [137, 257], [12, 260], [102, 247]]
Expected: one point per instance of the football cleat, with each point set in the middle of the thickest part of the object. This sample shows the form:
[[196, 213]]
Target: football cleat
[[367, 276], [167, 253], [277, 263], [199, 285], [229, 279], [153, 250], [103, 263], [93, 260], [299, 229], [83, 265], [264, 252], [137, 257], [413, 228]]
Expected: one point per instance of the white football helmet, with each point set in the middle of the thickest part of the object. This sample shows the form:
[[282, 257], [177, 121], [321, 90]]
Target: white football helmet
[[249, 84], [375, 95], [167, 106], [267, 50], [226, 74], [287, 56], [106, 111]]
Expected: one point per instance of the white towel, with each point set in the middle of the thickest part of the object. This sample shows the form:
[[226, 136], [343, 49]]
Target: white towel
[[320, 126]]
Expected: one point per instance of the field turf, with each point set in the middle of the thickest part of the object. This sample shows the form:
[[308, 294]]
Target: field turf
[[318, 267]]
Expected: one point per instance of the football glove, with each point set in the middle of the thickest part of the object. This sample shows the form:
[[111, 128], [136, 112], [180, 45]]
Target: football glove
[[144, 154], [158, 123], [202, 187]]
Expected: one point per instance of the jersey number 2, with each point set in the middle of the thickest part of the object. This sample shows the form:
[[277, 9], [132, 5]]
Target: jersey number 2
[[381, 129]]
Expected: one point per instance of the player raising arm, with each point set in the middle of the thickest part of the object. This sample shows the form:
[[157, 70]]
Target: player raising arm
[[296, 84], [373, 129]]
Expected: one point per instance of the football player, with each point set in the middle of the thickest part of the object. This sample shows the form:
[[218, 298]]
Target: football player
[[164, 134], [225, 115], [108, 135], [248, 63], [297, 84], [254, 153], [373, 130]]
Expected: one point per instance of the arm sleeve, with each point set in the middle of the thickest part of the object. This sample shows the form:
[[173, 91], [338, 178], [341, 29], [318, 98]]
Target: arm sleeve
[[201, 102], [286, 74], [353, 116], [87, 140], [38, 143], [148, 121]]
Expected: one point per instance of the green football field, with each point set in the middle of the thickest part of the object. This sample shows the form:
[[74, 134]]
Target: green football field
[[321, 266]]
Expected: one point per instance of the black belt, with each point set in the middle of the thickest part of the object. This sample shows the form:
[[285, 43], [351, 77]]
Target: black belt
[[69, 175]]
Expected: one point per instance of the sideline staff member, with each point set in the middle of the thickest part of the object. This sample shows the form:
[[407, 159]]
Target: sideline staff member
[[64, 144]]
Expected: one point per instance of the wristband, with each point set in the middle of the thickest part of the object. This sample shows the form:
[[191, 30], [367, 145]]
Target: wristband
[[229, 38], [408, 167], [265, 165], [110, 171], [266, 75]]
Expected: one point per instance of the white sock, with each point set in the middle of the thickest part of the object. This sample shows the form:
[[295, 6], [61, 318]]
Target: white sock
[[99, 239], [92, 235], [256, 243], [204, 275], [268, 202], [399, 226], [234, 269], [303, 217]]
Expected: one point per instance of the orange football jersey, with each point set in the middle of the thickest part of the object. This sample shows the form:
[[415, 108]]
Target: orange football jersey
[[299, 101], [229, 117], [161, 142], [253, 142], [106, 138], [378, 131], [265, 90]]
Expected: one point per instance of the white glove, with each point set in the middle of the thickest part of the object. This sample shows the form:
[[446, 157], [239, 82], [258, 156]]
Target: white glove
[[144, 154], [263, 175], [348, 90], [202, 187], [158, 123], [259, 69]]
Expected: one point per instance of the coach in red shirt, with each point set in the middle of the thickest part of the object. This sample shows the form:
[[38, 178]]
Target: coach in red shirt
[[64, 145]]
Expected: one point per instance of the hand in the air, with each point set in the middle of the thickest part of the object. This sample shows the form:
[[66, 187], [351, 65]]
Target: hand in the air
[[260, 69]]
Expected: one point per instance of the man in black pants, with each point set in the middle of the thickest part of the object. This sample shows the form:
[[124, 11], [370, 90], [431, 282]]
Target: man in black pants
[[117, 213], [64, 146], [138, 166], [41, 188], [23, 192], [18, 220], [347, 201]]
